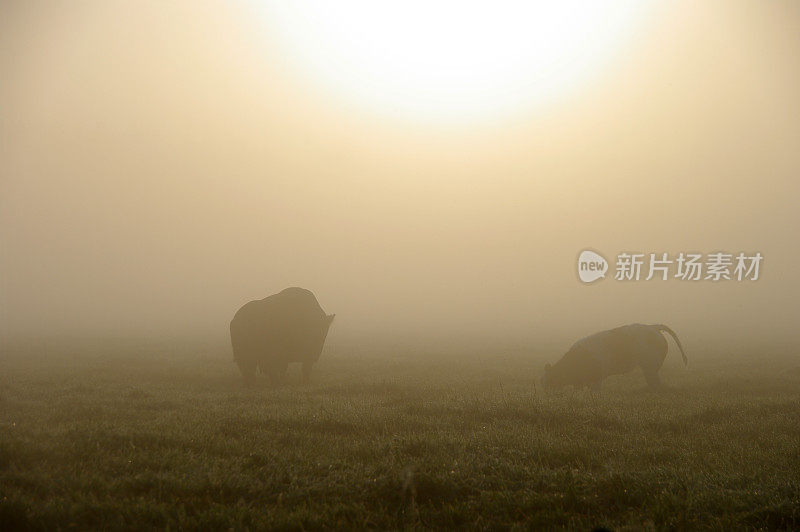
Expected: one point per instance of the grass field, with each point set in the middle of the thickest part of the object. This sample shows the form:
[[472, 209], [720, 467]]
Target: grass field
[[156, 437]]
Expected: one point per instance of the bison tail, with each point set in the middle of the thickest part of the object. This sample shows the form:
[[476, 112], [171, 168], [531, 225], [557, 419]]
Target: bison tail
[[662, 327]]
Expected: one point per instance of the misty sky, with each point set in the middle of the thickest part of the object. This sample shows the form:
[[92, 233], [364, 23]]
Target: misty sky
[[163, 163]]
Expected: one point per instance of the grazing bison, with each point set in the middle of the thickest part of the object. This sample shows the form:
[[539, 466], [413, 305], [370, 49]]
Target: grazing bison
[[268, 334], [612, 352]]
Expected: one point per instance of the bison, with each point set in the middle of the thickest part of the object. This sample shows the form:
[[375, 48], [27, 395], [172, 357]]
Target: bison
[[269, 333], [612, 352]]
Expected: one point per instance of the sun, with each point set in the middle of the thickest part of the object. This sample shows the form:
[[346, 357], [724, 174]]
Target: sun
[[438, 59]]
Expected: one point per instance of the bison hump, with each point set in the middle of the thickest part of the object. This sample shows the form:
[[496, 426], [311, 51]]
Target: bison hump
[[295, 298], [296, 305]]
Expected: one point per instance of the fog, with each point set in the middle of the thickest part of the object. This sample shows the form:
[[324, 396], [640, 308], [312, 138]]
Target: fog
[[163, 163]]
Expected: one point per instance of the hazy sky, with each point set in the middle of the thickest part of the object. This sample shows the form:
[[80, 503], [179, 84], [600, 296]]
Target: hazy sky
[[163, 163]]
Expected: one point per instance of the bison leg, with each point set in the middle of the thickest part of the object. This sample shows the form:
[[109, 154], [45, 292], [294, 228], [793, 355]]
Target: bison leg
[[248, 369], [652, 378], [651, 358], [276, 372], [650, 367], [307, 371]]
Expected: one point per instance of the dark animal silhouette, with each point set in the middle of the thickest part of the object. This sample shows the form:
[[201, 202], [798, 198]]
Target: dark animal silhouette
[[269, 333], [612, 352]]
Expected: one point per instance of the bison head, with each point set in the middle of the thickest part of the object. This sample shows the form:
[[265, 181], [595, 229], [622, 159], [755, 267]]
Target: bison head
[[326, 326], [551, 379]]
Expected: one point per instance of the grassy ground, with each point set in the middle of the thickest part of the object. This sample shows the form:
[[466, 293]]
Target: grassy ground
[[115, 439]]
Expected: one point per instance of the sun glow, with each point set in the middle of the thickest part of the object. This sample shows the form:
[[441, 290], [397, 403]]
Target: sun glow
[[445, 59]]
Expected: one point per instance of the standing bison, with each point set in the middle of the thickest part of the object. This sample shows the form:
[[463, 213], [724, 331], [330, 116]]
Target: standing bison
[[268, 334], [612, 352]]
